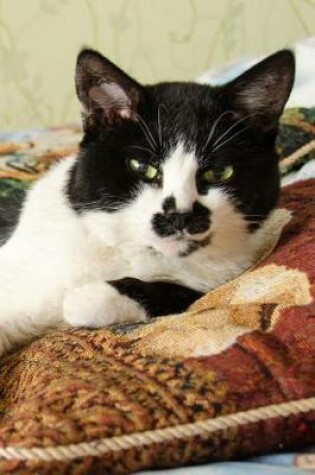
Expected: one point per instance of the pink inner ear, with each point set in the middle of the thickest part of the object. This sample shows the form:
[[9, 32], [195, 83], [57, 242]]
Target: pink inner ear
[[125, 113], [112, 99]]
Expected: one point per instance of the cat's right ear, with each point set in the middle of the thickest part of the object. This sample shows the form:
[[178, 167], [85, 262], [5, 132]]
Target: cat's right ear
[[261, 93], [107, 94]]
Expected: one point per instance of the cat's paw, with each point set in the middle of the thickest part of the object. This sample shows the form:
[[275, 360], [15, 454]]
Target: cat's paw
[[99, 304]]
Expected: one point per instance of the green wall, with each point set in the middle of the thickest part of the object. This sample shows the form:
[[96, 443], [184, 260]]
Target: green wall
[[152, 39]]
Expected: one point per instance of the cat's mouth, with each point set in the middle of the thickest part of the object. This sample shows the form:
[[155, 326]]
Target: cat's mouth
[[194, 245], [181, 245]]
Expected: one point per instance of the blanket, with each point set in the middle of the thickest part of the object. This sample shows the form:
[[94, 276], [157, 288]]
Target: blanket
[[231, 377]]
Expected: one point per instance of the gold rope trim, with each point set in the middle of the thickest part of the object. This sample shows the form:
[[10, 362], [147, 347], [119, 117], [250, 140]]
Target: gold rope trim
[[304, 150], [65, 453]]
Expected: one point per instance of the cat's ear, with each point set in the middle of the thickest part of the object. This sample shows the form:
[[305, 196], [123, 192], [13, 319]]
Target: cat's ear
[[262, 92], [107, 94]]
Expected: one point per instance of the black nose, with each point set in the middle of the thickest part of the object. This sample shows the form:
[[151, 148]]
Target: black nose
[[169, 204], [171, 222]]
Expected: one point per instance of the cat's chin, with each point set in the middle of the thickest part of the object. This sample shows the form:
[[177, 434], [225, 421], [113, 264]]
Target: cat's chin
[[179, 248]]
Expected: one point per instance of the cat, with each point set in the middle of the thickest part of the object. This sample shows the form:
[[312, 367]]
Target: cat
[[167, 198]]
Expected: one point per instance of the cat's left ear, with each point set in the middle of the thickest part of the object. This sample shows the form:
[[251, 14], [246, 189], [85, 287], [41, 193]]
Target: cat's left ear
[[107, 94], [261, 93]]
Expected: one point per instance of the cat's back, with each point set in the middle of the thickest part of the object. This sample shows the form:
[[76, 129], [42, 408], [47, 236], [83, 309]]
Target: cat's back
[[43, 216]]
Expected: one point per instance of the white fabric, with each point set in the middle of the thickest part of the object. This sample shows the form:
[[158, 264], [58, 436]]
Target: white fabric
[[303, 94], [307, 171]]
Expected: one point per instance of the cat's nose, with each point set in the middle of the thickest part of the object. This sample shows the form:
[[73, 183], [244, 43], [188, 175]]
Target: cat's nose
[[169, 204], [195, 221]]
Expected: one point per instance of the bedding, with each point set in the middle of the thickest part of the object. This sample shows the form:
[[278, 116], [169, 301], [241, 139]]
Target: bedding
[[232, 377]]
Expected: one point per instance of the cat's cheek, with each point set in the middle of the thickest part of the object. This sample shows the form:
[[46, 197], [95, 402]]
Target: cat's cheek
[[138, 215], [99, 304]]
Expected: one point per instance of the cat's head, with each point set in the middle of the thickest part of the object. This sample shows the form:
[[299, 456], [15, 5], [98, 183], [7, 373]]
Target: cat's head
[[178, 166]]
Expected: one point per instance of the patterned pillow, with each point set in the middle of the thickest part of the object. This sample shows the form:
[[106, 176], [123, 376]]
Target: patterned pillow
[[231, 377]]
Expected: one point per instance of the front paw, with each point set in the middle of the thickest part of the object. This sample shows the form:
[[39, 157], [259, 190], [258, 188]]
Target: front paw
[[98, 304]]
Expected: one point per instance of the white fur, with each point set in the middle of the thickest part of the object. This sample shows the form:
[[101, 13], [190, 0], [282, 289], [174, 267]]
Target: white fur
[[179, 178], [55, 265], [99, 304]]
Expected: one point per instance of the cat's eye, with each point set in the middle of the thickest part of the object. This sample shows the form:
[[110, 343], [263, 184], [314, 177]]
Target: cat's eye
[[143, 170], [218, 176]]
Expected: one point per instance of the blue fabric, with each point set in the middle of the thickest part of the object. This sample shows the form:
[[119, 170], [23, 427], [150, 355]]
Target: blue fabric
[[279, 464]]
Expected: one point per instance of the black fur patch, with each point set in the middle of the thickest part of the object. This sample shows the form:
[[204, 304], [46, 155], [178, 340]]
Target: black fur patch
[[157, 298], [194, 222]]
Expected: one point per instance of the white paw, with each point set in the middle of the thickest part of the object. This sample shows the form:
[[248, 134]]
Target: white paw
[[98, 304]]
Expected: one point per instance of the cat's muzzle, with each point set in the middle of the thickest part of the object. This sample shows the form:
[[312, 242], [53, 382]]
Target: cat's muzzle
[[175, 223], [182, 233]]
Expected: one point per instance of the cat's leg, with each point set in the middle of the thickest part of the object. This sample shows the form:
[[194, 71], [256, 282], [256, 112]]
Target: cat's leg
[[157, 298], [127, 300], [100, 304]]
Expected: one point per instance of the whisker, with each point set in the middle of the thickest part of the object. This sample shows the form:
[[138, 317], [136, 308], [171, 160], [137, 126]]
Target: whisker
[[230, 138], [138, 147], [98, 205], [213, 128], [148, 134], [160, 106], [242, 119]]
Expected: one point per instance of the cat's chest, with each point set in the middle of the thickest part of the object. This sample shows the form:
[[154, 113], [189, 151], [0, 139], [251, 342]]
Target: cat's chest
[[99, 261], [200, 272]]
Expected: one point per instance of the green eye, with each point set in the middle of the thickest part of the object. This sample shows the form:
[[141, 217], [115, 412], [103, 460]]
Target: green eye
[[144, 170], [220, 176]]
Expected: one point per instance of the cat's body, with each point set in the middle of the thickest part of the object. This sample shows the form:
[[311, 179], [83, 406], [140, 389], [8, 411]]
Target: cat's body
[[152, 213]]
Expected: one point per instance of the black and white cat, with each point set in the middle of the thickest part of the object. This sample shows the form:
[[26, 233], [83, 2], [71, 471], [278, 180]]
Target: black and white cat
[[167, 198]]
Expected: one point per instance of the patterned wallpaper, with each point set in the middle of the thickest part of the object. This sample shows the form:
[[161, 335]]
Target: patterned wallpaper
[[152, 39]]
